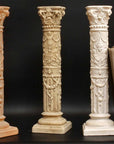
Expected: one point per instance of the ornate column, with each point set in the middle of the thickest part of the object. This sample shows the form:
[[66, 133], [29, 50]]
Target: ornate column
[[5, 128], [99, 122], [52, 121]]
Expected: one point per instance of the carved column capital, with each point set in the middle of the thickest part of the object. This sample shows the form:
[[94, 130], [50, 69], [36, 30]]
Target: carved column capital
[[51, 16], [98, 16], [4, 12]]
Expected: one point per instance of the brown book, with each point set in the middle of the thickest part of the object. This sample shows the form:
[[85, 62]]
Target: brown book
[[111, 55]]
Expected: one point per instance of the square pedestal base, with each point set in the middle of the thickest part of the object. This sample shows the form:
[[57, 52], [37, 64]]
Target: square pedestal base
[[97, 131], [8, 131], [52, 129]]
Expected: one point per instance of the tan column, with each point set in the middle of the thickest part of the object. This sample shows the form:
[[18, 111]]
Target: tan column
[[52, 121], [5, 128], [1, 72], [99, 122]]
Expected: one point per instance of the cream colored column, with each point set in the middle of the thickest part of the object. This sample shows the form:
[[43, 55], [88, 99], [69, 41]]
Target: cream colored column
[[52, 121], [99, 122], [5, 128]]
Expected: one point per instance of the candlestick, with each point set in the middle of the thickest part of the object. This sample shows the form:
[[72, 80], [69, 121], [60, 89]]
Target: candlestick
[[5, 128], [52, 121], [99, 122]]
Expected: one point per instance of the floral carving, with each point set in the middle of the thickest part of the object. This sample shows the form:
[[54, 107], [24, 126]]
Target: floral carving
[[51, 49]]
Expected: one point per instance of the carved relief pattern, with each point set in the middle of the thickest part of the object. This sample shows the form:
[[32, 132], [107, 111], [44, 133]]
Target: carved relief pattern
[[3, 13], [99, 71], [51, 58], [51, 16], [52, 71], [99, 15], [98, 18]]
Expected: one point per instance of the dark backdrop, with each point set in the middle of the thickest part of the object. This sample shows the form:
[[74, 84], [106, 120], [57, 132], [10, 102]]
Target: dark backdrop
[[23, 58]]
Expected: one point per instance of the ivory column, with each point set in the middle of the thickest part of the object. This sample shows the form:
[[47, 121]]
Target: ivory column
[[5, 128], [52, 121], [99, 122]]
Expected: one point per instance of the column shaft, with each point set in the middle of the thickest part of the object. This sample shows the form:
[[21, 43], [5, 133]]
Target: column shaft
[[51, 70], [1, 72], [99, 70]]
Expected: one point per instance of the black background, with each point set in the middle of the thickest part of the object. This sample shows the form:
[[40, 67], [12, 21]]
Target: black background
[[23, 68]]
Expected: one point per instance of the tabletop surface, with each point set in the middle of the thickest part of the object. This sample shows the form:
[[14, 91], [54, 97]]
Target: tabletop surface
[[25, 122]]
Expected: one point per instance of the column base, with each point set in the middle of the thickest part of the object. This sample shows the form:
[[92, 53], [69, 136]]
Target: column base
[[52, 129], [5, 129], [9, 131], [98, 127]]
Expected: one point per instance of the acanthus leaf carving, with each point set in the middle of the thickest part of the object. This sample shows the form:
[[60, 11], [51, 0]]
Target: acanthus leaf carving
[[98, 15], [51, 15]]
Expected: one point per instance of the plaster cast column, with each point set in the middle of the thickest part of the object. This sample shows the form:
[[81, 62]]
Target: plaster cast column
[[99, 122], [5, 128], [52, 121]]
